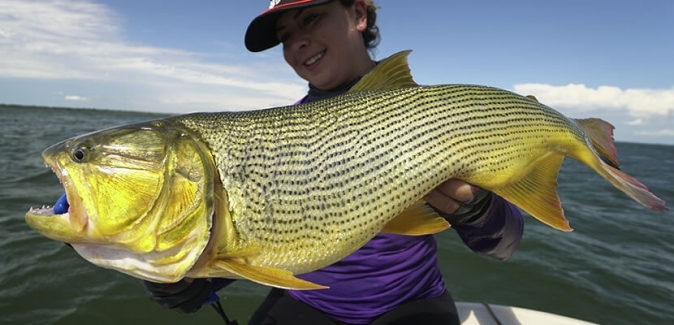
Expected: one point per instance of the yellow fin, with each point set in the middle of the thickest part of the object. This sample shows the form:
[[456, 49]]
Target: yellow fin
[[600, 133], [536, 193], [532, 97], [391, 73], [267, 275], [419, 219], [604, 160]]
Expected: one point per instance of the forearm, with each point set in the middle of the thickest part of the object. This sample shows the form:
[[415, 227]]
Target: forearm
[[496, 233]]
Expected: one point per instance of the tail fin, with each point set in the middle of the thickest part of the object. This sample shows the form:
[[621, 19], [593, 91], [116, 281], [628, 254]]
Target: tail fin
[[601, 136]]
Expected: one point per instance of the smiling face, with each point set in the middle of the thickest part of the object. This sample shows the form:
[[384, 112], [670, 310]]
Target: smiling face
[[324, 44]]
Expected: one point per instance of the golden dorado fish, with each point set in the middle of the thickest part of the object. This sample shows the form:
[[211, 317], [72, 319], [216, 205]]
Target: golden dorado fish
[[265, 195]]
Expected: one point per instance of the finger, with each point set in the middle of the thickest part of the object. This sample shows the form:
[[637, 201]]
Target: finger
[[442, 202], [457, 190]]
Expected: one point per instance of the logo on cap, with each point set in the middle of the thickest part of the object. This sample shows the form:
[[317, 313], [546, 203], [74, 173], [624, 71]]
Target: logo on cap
[[273, 3]]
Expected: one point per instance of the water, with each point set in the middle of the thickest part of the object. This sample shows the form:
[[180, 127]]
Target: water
[[617, 267]]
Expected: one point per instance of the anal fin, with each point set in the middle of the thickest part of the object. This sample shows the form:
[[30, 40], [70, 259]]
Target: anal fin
[[419, 219], [267, 275], [536, 192]]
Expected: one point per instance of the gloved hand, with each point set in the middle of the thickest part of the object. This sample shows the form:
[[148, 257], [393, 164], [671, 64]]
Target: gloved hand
[[459, 202], [183, 296], [469, 212]]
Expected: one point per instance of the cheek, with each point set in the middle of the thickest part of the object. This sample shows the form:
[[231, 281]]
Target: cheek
[[289, 58], [286, 55]]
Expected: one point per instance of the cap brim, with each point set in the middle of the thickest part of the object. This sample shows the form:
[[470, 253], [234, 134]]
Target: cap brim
[[261, 33]]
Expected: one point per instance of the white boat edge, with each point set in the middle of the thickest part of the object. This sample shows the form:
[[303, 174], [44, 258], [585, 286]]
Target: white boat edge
[[473, 313]]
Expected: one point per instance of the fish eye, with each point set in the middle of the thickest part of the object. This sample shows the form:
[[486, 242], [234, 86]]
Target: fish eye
[[79, 154]]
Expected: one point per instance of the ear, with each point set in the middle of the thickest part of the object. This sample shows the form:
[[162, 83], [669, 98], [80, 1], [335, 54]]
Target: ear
[[361, 15]]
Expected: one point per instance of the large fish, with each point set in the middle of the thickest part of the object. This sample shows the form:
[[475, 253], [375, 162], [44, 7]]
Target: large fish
[[264, 195]]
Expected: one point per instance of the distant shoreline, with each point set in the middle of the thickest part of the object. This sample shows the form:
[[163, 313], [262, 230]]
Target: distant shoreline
[[83, 109]]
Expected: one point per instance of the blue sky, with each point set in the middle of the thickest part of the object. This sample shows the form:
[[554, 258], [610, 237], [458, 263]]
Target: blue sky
[[585, 58]]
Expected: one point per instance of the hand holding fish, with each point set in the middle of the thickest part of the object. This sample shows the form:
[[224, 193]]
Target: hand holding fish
[[458, 201]]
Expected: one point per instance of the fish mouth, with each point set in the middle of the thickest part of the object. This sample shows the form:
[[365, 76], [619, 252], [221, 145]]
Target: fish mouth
[[66, 226], [48, 210]]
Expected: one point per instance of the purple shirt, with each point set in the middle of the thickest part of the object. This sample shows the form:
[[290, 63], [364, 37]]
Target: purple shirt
[[387, 271]]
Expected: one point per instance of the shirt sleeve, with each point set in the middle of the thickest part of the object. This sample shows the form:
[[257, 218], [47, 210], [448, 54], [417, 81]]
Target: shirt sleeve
[[304, 100], [497, 233]]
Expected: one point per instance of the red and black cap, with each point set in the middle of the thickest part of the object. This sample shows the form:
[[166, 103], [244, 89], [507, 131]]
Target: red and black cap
[[261, 33]]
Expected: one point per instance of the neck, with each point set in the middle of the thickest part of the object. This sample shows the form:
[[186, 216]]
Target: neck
[[316, 94]]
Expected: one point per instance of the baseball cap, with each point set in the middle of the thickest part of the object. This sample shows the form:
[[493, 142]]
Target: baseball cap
[[261, 33]]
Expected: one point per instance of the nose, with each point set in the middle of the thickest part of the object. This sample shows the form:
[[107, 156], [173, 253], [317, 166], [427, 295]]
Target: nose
[[298, 41]]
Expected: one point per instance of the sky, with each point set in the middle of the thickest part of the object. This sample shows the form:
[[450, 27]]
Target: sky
[[611, 59]]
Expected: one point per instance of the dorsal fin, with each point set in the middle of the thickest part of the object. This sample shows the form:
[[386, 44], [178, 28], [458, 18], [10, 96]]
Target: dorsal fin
[[391, 73]]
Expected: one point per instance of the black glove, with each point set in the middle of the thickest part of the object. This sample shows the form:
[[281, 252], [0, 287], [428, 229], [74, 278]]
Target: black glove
[[471, 211], [182, 296]]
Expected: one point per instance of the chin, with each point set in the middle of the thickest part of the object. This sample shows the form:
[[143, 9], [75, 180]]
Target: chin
[[323, 84]]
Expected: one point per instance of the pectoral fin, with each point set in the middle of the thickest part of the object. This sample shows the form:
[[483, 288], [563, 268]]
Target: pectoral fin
[[536, 193], [267, 275], [419, 219]]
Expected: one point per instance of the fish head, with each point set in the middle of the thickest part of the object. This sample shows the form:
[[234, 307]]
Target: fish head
[[140, 196]]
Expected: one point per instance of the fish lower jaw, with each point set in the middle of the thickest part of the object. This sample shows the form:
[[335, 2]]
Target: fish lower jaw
[[45, 211], [54, 226]]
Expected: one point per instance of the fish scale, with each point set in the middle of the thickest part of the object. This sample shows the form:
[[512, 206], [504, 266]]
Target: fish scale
[[265, 195]]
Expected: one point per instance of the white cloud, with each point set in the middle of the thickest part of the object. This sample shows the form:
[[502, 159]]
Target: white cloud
[[638, 103], [76, 98], [81, 40], [635, 122], [657, 133]]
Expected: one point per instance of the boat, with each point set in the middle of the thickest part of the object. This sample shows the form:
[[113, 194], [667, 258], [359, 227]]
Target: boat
[[473, 313]]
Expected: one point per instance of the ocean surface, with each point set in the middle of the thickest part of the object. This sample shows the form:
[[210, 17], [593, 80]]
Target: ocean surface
[[616, 267]]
